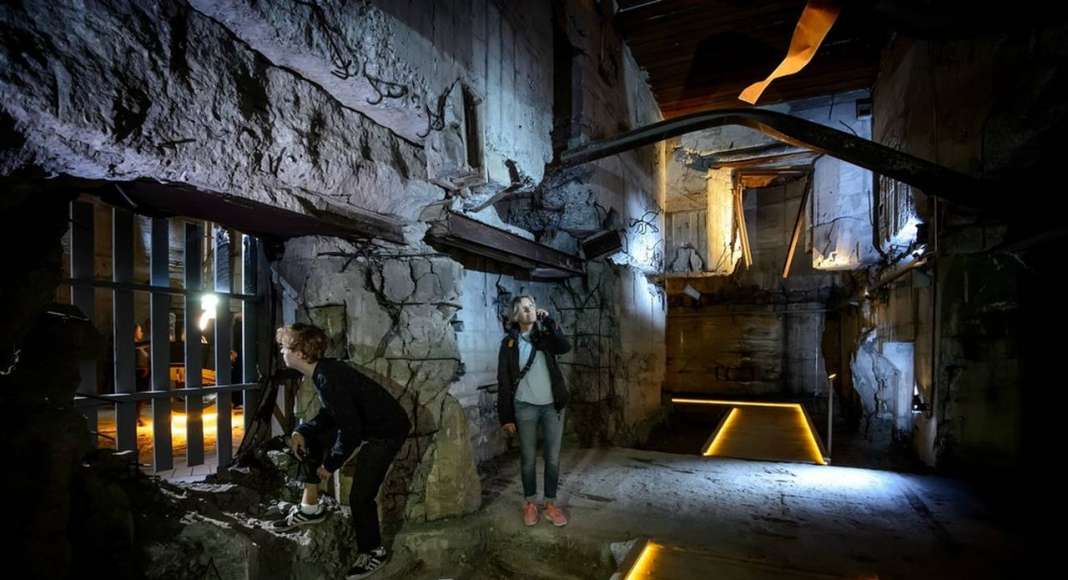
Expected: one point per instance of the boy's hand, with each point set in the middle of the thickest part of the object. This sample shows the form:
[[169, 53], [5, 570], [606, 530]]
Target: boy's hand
[[296, 444], [323, 473]]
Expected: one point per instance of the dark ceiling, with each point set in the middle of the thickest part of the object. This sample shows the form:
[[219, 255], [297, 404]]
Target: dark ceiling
[[700, 54]]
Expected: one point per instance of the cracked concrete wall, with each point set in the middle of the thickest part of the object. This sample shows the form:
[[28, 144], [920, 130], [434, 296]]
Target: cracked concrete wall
[[398, 306], [609, 96]]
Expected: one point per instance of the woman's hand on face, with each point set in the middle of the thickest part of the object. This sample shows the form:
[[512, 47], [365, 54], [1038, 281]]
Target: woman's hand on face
[[509, 427]]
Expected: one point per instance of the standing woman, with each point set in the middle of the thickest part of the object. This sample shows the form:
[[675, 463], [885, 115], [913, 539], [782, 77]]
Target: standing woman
[[531, 392]]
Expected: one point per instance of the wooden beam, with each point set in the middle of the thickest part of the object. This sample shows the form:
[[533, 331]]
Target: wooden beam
[[743, 228], [797, 231]]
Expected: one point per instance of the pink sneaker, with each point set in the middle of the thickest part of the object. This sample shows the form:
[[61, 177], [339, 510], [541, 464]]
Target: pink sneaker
[[555, 515], [530, 514]]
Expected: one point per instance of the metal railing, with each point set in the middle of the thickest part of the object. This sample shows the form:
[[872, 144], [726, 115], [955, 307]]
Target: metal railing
[[84, 285]]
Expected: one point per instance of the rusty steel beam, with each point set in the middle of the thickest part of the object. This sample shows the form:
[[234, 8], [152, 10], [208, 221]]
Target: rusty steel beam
[[931, 178], [451, 229]]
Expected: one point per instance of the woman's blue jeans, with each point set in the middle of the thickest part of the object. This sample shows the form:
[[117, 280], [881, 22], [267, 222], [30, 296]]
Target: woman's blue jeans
[[528, 417]]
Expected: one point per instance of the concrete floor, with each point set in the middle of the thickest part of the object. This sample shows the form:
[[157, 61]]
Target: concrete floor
[[729, 518]]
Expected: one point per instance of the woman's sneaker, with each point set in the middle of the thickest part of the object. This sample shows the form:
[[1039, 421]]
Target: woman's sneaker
[[555, 515], [367, 563], [297, 518], [530, 514]]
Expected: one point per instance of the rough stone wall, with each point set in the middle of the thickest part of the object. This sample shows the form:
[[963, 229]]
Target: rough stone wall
[[615, 318], [405, 65], [123, 90]]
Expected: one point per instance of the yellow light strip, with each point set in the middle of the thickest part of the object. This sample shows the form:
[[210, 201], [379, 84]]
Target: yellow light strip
[[733, 403], [713, 447], [645, 561], [813, 446]]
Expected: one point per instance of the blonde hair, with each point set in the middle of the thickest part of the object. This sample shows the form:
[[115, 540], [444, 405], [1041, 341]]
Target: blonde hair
[[516, 302], [306, 339]]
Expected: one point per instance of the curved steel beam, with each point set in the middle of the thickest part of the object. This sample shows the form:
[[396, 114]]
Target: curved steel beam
[[931, 178]]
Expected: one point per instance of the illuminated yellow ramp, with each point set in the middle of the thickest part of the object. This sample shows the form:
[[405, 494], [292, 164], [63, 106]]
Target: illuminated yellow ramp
[[765, 431], [661, 562]]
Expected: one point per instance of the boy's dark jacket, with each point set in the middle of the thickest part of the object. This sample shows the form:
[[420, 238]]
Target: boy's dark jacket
[[546, 338], [355, 407]]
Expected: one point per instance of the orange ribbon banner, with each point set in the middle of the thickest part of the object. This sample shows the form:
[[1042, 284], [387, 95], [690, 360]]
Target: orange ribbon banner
[[812, 28]]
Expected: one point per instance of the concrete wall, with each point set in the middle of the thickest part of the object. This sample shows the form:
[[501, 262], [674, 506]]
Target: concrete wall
[[753, 333], [982, 106], [615, 315], [841, 216]]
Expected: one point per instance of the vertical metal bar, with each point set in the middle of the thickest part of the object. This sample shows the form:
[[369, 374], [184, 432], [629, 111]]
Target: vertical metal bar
[[223, 338], [83, 295], [160, 305], [194, 424], [123, 328], [249, 346], [285, 395], [830, 415]]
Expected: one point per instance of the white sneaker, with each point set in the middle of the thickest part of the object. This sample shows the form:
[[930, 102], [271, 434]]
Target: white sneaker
[[367, 563], [297, 518]]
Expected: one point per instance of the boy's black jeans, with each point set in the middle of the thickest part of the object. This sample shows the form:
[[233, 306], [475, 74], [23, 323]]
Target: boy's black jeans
[[372, 463]]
